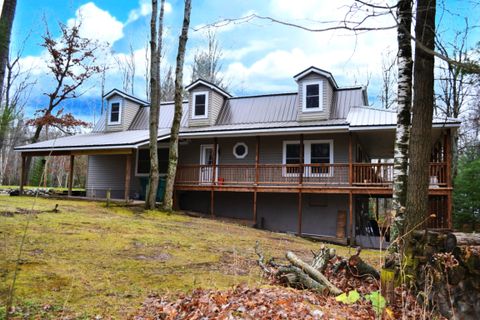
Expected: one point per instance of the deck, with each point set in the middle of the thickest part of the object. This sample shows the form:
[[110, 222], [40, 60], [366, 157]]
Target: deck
[[317, 178]]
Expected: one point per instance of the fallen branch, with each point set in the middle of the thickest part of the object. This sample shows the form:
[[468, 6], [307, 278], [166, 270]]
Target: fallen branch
[[313, 273]]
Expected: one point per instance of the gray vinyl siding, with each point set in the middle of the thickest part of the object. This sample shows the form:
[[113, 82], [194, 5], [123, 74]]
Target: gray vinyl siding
[[327, 99], [106, 172], [129, 110], [215, 103], [275, 211], [271, 148]]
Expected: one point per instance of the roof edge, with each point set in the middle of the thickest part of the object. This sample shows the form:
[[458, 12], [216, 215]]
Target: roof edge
[[125, 95], [210, 85]]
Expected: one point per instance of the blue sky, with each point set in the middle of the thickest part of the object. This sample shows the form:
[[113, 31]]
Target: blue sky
[[259, 57]]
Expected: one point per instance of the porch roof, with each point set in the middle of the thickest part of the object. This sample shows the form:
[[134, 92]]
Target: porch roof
[[95, 141]]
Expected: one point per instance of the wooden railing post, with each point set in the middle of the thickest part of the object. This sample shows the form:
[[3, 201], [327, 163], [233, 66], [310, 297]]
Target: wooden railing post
[[257, 161], [70, 175], [300, 183], [23, 173], [214, 177], [350, 159]]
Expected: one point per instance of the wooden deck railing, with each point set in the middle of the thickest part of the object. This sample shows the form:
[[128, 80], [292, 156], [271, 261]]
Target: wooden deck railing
[[337, 174]]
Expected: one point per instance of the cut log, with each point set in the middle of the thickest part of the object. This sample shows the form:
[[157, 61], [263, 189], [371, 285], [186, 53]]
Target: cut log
[[359, 268], [321, 258], [457, 239], [296, 278], [315, 274]]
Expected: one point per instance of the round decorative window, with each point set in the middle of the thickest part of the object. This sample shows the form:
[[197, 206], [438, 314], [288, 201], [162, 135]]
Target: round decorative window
[[240, 150]]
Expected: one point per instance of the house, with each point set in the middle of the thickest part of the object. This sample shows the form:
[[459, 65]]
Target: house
[[308, 162]]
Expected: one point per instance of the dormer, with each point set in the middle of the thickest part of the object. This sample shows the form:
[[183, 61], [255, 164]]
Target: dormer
[[315, 94], [121, 110], [205, 100]]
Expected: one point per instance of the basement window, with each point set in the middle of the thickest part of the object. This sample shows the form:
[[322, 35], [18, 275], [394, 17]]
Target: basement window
[[200, 105]]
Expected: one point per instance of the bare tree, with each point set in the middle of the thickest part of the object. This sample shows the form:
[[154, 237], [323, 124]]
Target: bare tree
[[388, 96], [6, 22], [404, 105], [155, 53], [207, 63], [168, 86], [173, 152], [126, 65]]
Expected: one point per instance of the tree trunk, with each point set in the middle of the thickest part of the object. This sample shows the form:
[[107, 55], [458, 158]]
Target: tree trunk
[[6, 22], [421, 131], [173, 152], [155, 49], [404, 104]]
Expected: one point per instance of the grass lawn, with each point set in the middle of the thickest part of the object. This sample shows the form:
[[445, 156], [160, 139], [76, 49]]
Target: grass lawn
[[92, 260]]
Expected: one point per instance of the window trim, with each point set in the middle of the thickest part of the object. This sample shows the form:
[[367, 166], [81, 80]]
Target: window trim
[[320, 95], [235, 150], [307, 157], [194, 97], [137, 174], [120, 111]]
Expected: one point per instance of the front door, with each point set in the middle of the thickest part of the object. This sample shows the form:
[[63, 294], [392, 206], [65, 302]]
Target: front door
[[206, 163]]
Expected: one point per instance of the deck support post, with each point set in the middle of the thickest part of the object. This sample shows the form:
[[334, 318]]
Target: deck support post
[[350, 159], [128, 174], [300, 184], [350, 222], [448, 159], [70, 175], [214, 177], [257, 161], [22, 173]]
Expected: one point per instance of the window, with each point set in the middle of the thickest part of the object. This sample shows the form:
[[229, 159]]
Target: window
[[115, 113], [312, 96], [143, 161], [315, 152], [200, 105], [240, 150]]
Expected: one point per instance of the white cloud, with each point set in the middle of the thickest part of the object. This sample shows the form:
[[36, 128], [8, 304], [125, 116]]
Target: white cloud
[[252, 47], [97, 24], [145, 9]]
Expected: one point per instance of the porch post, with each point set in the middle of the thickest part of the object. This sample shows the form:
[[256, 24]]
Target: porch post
[[300, 183], [22, 173], [128, 173], [70, 175], [257, 160], [350, 222], [214, 177], [350, 159], [448, 158]]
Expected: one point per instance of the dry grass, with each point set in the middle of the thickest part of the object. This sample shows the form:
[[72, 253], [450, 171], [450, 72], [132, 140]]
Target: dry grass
[[91, 260]]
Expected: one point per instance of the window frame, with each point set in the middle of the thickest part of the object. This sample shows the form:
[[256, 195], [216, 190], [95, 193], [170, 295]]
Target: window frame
[[120, 111], [194, 102], [307, 157], [320, 95], [138, 174], [235, 150]]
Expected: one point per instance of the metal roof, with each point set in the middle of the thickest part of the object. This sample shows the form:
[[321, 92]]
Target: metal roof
[[372, 117], [95, 140], [344, 100], [259, 109], [140, 122]]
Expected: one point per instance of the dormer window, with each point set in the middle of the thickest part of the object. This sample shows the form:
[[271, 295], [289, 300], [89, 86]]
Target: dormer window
[[312, 96], [200, 105], [115, 112]]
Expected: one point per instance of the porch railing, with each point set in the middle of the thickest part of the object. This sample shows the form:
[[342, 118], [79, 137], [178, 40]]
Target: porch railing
[[337, 174]]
